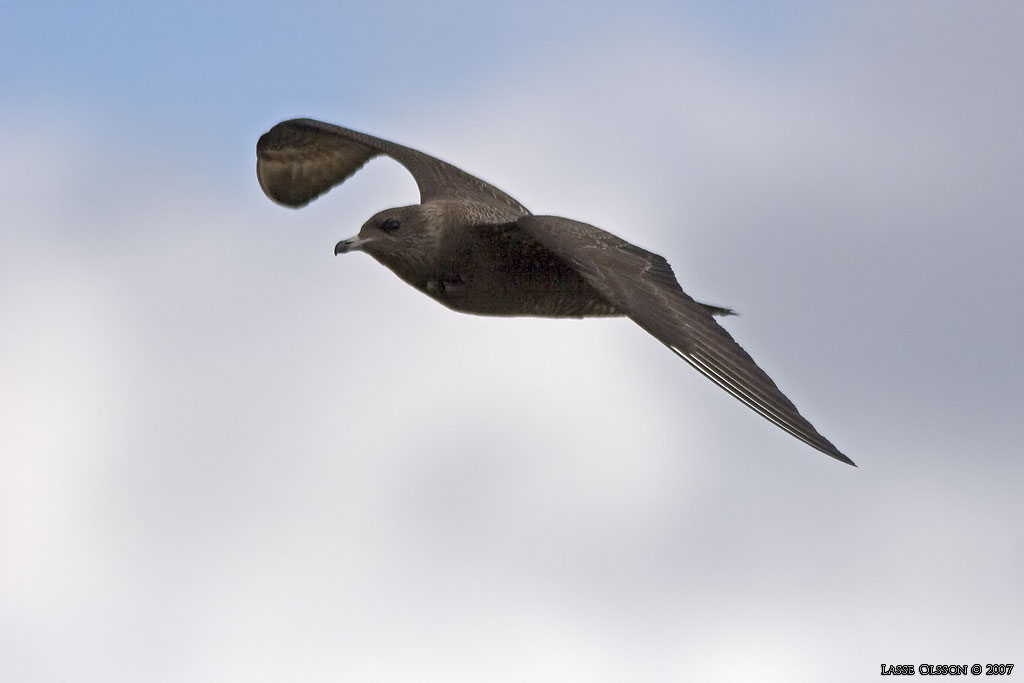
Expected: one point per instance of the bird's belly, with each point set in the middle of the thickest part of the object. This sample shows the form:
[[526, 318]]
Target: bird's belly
[[520, 296]]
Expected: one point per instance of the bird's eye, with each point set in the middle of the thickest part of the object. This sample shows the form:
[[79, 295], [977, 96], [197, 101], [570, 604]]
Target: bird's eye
[[390, 225]]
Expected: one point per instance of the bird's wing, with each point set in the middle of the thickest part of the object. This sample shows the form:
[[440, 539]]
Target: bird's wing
[[299, 160], [643, 286]]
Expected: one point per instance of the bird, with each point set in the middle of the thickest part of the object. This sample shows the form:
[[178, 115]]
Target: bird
[[473, 248]]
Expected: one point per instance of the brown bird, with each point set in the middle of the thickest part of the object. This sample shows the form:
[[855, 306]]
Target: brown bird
[[475, 249]]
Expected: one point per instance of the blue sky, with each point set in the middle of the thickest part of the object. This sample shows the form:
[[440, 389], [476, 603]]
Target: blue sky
[[229, 455], [206, 65]]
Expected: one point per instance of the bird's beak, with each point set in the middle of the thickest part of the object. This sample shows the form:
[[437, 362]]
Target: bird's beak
[[351, 244]]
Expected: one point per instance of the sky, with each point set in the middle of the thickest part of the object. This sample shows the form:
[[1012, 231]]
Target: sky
[[227, 455]]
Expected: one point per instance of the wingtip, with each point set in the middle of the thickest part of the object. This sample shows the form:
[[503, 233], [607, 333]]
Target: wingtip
[[842, 458]]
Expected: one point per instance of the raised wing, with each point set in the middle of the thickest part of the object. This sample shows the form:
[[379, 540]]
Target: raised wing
[[299, 160], [643, 286]]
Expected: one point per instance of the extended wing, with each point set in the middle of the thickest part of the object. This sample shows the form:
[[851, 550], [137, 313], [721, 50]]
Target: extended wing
[[299, 160], [642, 285]]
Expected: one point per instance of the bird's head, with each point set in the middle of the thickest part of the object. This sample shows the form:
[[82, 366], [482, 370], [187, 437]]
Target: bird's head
[[406, 239]]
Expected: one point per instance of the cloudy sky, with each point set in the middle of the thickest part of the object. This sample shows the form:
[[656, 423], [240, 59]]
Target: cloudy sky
[[227, 455]]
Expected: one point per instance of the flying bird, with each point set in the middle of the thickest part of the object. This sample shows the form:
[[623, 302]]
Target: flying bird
[[475, 249]]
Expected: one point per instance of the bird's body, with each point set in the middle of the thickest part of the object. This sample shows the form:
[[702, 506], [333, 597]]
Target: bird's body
[[497, 269], [475, 249]]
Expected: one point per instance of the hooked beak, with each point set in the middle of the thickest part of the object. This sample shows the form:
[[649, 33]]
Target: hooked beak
[[351, 244]]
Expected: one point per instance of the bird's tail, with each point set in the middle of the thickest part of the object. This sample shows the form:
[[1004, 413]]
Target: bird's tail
[[718, 310]]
